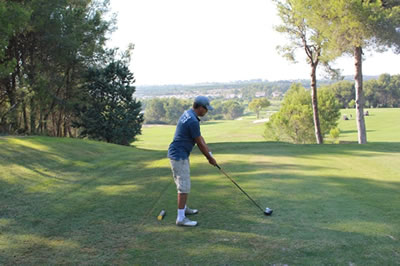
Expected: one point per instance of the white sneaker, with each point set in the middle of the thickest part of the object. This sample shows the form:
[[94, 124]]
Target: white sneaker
[[186, 222], [190, 211]]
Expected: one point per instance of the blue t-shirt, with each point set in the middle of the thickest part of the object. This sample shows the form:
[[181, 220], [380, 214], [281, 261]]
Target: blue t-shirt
[[187, 130]]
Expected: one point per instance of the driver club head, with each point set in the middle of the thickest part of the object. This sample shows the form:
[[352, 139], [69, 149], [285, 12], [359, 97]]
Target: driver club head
[[268, 211]]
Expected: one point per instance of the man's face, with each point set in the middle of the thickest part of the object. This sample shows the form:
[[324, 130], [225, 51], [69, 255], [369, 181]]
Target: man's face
[[202, 111]]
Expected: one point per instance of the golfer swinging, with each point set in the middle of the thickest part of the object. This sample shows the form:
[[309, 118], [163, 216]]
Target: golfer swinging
[[188, 134]]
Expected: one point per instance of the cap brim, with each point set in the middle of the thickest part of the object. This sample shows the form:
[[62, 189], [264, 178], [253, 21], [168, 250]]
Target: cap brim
[[209, 107]]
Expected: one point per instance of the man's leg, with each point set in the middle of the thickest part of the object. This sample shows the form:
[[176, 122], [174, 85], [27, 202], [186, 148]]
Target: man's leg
[[182, 198], [181, 173]]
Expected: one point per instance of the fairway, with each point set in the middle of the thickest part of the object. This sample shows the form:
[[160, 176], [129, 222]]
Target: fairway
[[70, 201]]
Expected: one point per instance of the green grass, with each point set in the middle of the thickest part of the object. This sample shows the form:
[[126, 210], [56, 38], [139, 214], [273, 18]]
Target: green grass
[[383, 125], [68, 201], [158, 137]]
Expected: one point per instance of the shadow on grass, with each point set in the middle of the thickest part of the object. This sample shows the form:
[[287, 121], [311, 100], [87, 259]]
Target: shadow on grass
[[317, 220], [97, 205], [287, 149], [67, 204]]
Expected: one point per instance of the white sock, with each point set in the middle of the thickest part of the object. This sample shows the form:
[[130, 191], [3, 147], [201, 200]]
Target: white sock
[[181, 215]]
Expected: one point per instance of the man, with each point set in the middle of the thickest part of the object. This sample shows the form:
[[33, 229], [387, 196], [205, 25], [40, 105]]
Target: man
[[188, 134]]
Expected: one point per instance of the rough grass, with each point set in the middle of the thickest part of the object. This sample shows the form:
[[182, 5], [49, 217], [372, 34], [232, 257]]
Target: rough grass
[[66, 201]]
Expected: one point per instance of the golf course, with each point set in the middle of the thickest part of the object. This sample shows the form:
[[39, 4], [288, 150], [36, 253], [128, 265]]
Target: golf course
[[77, 201]]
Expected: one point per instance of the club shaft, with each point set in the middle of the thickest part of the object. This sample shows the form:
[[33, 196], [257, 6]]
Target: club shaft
[[244, 192]]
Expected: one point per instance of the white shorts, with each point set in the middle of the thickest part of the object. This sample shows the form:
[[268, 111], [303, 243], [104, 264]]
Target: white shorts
[[181, 173]]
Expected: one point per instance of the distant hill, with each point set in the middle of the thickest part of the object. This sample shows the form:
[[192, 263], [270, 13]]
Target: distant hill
[[240, 87]]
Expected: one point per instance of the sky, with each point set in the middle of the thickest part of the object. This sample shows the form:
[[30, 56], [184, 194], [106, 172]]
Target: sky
[[193, 41]]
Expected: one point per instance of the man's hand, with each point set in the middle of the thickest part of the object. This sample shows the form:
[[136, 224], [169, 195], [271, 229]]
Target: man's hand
[[204, 149], [212, 161]]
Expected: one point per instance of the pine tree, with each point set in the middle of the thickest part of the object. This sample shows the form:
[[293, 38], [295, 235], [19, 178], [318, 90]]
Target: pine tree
[[108, 111]]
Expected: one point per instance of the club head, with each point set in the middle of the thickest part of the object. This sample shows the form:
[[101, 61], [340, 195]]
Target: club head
[[268, 211]]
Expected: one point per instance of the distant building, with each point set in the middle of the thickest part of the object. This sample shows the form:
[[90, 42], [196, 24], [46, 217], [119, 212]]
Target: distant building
[[230, 96], [276, 94], [260, 94]]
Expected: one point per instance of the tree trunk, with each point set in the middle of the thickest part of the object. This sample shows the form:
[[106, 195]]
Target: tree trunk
[[26, 127], [12, 97], [70, 132], [65, 126], [33, 116], [314, 101], [362, 134], [59, 122], [40, 127]]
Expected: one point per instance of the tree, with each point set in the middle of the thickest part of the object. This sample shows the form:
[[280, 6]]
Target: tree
[[14, 18], [108, 111], [344, 92], [294, 121], [232, 110], [257, 104], [354, 25], [298, 17], [49, 45], [155, 111], [174, 109]]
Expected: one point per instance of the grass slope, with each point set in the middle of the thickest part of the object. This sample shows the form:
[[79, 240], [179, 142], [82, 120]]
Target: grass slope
[[67, 201]]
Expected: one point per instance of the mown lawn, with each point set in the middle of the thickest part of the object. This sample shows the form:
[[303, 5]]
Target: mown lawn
[[68, 201], [383, 125]]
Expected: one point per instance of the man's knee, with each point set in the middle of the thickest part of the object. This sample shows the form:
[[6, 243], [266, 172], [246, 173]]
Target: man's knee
[[181, 173]]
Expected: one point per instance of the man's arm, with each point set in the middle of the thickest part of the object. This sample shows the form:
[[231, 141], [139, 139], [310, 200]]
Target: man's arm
[[205, 150]]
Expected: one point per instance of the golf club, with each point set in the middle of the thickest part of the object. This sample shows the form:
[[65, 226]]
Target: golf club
[[267, 211]]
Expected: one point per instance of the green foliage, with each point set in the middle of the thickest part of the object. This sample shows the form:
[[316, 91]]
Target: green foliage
[[165, 111], [329, 110], [294, 121], [168, 111], [257, 104], [155, 111], [352, 104], [45, 48], [334, 133], [232, 109], [299, 19], [344, 92], [110, 112], [383, 92], [13, 19]]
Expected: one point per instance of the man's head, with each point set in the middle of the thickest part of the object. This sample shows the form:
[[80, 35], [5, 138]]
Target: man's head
[[201, 105]]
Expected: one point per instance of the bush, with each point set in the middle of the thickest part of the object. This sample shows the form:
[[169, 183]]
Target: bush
[[294, 121], [334, 134]]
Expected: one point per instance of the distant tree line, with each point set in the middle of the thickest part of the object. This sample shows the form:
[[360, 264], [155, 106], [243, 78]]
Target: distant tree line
[[381, 92], [168, 110], [56, 76]]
